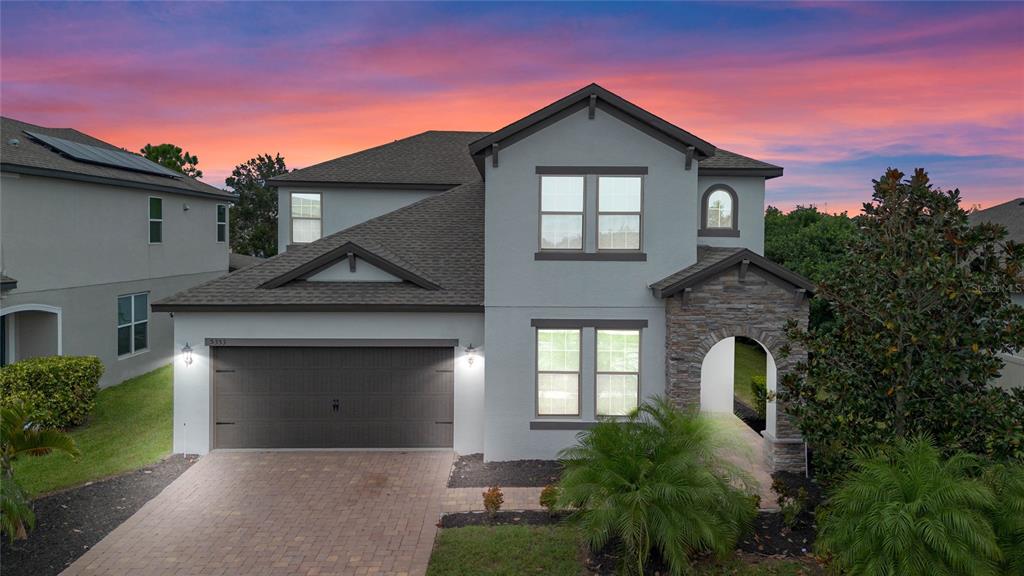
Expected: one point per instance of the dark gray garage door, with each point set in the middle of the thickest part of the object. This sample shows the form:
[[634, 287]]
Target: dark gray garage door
[[332, 397]]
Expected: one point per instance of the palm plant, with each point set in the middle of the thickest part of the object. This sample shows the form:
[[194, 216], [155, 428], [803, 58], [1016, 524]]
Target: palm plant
[[908, 511], [1007, 484], [654, 482], [19, 436]]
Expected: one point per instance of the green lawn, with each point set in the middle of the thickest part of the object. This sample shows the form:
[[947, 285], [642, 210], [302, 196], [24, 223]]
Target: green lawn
[[556, 550], [130, 427], [750, 361]]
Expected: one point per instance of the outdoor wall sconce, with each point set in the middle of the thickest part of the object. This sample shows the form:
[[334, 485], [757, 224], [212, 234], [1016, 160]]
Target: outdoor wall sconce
[[186, 351], [470, 354]]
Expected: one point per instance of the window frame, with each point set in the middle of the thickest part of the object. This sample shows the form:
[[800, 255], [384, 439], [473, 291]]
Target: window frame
[[639, 214], [537, 372], [639, 366], [292, 218], [151, 220], [222, 225], [541, 213], [731, 231], [132, 323]]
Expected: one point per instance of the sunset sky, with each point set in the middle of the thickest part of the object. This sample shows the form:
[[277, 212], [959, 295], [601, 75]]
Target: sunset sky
[[833, 92]]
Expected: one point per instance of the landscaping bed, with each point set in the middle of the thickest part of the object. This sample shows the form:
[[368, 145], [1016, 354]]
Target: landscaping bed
[[70, 522], [471, 471]]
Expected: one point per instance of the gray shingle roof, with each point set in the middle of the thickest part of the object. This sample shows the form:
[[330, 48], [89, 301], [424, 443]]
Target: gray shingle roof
[[239, 261], [434, 157], [726, 159], [712, 261], [1009, 214], [30, 156], [440, 238]]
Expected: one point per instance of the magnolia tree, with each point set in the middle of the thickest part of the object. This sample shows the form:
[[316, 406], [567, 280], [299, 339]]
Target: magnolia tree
[[922, 314]]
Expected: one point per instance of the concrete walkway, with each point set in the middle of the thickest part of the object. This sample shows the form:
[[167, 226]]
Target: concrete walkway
[[745, 449], [269, 513]]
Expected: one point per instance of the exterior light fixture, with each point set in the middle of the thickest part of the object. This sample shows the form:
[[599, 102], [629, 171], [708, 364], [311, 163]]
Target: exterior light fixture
[[470, 354], [186, 351]]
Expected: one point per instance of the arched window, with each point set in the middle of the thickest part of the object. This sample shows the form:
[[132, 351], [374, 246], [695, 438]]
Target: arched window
[[719, 212]]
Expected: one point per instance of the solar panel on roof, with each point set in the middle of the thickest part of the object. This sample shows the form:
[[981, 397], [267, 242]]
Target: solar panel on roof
[[103, 156]]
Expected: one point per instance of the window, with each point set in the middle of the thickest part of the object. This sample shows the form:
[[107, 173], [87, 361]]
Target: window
[[558, 372], [156, 220], [718, 212], [305, 218], [561, 212], [222, 222], [132, 323], [619, 200], [618, 371]]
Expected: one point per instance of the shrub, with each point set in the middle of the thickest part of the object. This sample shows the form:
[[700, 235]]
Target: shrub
[[549, 498], [58, 391], [493, 499], [1007, 485], [759, 389], [20, 436], [653, 482], [908, 511]]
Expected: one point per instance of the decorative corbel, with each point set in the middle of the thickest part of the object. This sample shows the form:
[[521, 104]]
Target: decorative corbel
[[743, 269], [591, 110], [494, 155], [689, 157], [352, 262], [798, 296], [683, 296]]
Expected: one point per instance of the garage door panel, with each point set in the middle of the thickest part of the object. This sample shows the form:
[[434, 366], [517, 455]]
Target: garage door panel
[[322, 397]]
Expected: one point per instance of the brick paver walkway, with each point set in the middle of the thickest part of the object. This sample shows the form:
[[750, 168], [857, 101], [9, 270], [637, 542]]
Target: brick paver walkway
[[269, 513]]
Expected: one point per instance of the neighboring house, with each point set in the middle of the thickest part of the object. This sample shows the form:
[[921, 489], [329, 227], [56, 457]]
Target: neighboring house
[[491, 292], [1011, 216], [90, 236]]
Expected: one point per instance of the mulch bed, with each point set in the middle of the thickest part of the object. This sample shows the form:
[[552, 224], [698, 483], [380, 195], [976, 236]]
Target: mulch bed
[[70, 522], [749, 416], [772, 536], [471, 471], [506, 518]]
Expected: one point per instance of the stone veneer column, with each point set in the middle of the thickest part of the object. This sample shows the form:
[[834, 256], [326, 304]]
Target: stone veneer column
[[757, 307]]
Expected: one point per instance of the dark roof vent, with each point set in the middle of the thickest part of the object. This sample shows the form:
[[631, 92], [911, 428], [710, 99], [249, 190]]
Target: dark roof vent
[[14, 141]]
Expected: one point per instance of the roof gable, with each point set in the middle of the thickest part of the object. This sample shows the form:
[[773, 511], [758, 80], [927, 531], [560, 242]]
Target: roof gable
[[349, 251], [713, 261], [592, 97]]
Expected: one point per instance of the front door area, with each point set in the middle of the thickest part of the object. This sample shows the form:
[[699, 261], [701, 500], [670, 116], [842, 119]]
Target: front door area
[[331, 397]]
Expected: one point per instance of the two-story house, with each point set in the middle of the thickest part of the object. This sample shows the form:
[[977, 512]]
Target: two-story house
[[90, 236], [490, 292]]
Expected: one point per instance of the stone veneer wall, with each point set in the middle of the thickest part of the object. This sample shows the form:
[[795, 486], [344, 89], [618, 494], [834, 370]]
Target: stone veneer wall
[[757, 307]]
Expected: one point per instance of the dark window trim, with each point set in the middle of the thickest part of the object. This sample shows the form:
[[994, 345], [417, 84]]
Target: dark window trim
[[132, 323], [604, 255], [598, 323], [224, 223], [732, 231], [335, 342], [639, 364], [586, 170], [562, 425], [151, 220]]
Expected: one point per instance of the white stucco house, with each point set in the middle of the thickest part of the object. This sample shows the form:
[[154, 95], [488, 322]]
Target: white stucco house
[[490, 292], [90, 236]]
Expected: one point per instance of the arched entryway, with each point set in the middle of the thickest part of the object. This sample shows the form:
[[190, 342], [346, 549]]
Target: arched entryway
[[726, 387], [734, 292], [29, 331]]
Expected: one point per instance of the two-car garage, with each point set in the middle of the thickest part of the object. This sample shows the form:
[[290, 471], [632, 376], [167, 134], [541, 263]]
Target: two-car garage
[[322, 395]]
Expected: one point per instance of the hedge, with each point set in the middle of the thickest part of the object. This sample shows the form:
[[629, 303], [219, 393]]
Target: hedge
[[60, 390]]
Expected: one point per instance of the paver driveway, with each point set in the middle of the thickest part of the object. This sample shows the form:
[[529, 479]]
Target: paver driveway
[[258, 513]]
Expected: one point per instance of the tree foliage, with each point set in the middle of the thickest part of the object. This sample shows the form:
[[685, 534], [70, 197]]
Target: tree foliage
[[810, 243], [173, 157], [254, 216], [907, 511], [655, 482], [922, 313]]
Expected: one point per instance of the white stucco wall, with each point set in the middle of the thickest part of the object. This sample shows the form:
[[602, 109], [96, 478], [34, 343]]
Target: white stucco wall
[[192, 383], [364, 272], [717, 377], [343, 208]]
